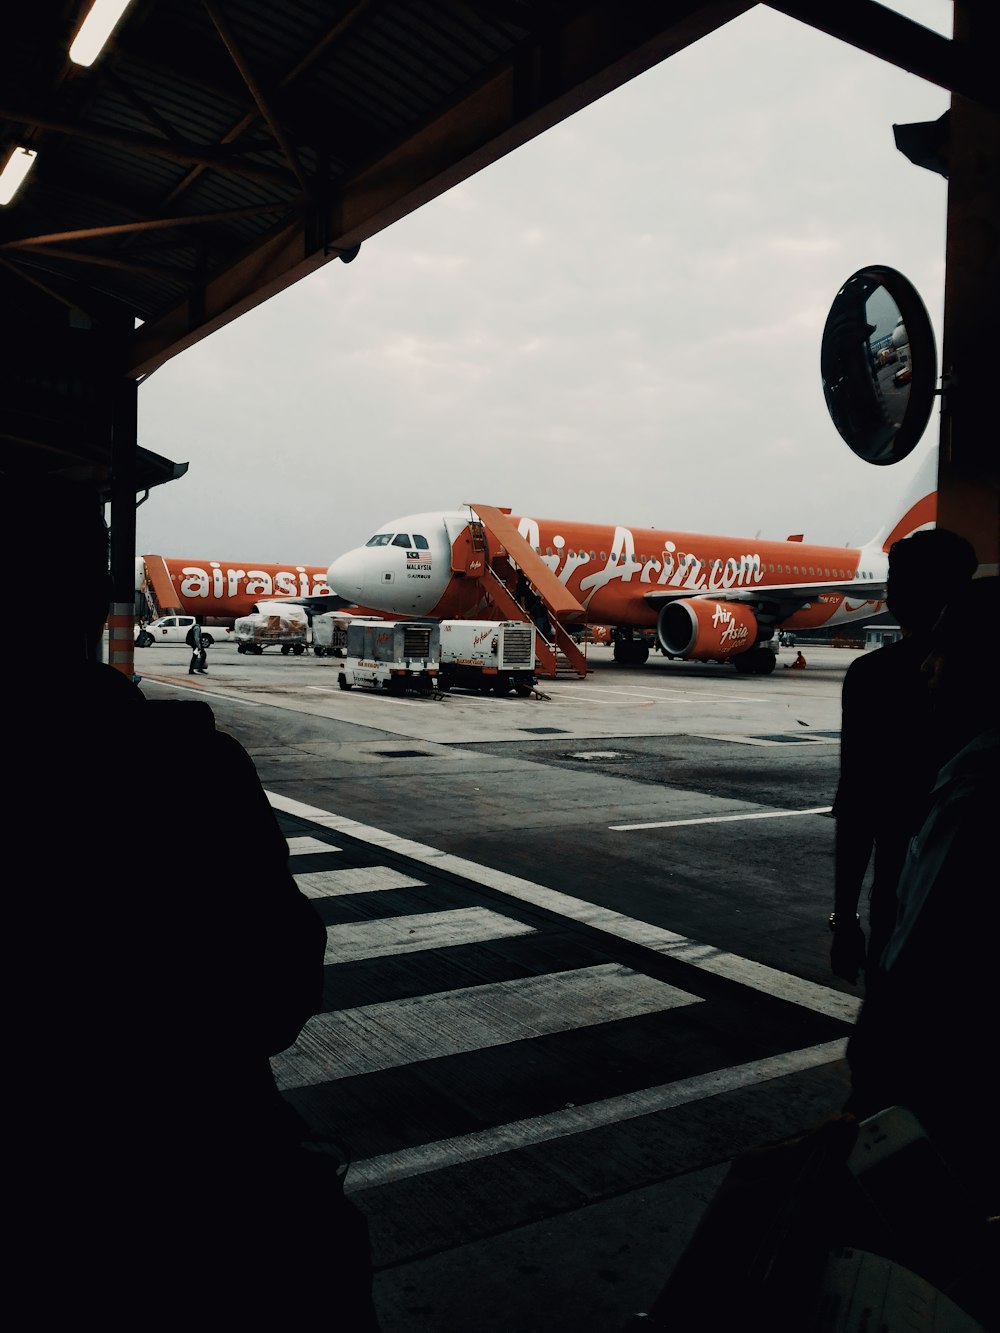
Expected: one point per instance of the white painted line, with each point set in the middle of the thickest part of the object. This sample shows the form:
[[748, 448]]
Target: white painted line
[[808, 994], [308, 846], [386, 936], [202, 692], [669, 696], [380, 697], [799, 738], [357, 879], [426, 1027], [721, 819], [426, 1157]]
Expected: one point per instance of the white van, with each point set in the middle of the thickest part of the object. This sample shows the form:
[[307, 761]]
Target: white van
[[175, 629]]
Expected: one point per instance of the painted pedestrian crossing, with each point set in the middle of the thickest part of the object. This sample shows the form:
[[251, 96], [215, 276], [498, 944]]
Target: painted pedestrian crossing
[[427, 1027], [308, 846], [358, 879], [356, 940], [483, 1065]]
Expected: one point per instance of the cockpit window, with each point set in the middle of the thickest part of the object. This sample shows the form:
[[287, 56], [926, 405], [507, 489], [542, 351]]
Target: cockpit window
[[380, 539], [401, 539], [420, 543]]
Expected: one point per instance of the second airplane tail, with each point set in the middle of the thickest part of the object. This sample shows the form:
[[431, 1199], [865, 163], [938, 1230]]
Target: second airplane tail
[[919, 508]]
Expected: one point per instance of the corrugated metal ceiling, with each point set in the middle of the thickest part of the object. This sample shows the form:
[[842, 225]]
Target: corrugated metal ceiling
[[220, 150]]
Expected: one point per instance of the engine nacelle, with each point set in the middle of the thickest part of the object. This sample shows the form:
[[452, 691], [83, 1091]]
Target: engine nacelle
[[696, 627]]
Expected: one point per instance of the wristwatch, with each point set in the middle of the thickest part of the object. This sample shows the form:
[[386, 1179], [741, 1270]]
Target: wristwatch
[[832, 920]]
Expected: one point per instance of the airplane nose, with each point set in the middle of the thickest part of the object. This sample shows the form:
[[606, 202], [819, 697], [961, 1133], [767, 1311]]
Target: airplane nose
[[345, 575]]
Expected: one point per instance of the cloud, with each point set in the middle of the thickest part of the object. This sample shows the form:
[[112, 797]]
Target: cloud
[[620, 320]]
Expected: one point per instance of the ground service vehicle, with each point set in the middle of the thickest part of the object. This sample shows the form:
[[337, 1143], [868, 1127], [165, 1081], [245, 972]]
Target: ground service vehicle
[[486, 655], [175, 629], [394, 655], [329, 632], [273, 626]]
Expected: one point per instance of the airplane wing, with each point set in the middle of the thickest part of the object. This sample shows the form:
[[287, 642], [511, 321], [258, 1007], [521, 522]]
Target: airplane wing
[[775, 602], [315, 606]]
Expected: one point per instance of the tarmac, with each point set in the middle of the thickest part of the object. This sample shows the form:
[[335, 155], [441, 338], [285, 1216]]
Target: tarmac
[[528, 1165]]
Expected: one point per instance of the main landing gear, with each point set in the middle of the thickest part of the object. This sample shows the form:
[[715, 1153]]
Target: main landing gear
[[756, 662], [629, 651]]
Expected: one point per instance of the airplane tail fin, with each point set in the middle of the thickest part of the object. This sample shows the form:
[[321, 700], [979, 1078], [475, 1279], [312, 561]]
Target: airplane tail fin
[[920, 509]]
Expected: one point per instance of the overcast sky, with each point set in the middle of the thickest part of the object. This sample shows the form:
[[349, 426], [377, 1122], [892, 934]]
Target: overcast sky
[[618, 322]]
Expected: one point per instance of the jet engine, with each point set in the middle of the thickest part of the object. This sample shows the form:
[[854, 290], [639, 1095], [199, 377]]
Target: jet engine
[[696, 627]]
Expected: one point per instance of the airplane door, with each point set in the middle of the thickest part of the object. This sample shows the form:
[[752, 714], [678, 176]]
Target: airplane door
[[469, 555]]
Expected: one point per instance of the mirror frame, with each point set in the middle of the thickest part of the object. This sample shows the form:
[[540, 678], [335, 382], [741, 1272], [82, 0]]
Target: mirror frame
[[849, 409]]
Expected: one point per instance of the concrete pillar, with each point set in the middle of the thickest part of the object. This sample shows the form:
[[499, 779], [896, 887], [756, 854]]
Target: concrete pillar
[[969, 479]]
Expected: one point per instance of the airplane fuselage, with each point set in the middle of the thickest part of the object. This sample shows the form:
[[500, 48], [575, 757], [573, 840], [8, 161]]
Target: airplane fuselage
[[225, 589], [609, 569]]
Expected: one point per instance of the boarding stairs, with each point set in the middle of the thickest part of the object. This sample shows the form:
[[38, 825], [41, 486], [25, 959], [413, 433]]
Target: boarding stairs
[[514, 566], [158, 589]]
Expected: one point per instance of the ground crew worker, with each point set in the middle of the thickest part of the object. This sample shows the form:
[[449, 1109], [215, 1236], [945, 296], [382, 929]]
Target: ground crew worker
[[198, 654]]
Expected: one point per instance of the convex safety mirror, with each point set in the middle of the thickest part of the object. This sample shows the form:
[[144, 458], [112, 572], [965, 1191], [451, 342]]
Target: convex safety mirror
[[879, 365]]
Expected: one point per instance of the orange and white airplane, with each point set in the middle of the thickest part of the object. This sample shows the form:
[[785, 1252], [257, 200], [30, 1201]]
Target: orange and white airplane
[[217, 590], [709, 598]]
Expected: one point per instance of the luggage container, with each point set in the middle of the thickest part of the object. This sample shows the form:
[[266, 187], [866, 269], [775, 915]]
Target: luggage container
[[329, 632], [273, 625]]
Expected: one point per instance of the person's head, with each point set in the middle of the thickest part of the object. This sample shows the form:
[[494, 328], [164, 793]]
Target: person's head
[[54, 545], [924, 570], [961, 666]]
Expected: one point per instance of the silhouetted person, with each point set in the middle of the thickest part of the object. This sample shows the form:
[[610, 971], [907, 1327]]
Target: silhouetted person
[[155, 1177], [889, 752], [925, 1042], [926, 1035], [199, 658], [799, 663]]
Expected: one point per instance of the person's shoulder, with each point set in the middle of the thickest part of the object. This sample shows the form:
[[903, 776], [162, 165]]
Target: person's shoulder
[[193, 715], [862, 674], [78, 691], [189, 732], [890, 662], [975, 767]]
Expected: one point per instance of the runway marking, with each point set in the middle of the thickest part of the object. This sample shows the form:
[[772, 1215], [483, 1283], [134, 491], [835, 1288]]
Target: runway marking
[[669, 696], [381, 696], [769, 980], [374, 1037], [721, 819], [202, 691], [769, 742], [354, 940], [358, 879], [427, 1157], [309, 846]]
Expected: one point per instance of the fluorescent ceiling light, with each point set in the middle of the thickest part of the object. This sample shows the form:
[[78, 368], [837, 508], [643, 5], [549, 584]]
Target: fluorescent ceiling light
[[12, 177], [97, 27]]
